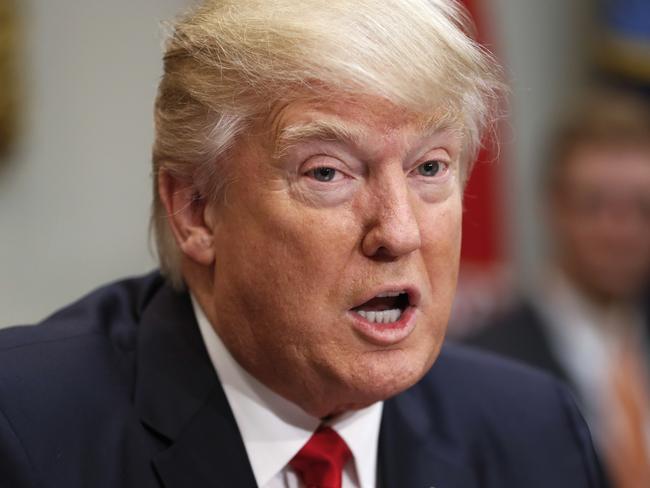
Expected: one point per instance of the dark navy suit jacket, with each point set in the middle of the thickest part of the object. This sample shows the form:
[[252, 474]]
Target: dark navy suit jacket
[[117, 391]]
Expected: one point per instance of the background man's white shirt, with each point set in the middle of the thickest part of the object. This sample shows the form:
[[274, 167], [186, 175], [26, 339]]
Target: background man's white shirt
[[588, 340]]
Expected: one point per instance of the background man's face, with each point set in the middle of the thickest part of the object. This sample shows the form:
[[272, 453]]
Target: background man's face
[[602, 219], [331, 205]]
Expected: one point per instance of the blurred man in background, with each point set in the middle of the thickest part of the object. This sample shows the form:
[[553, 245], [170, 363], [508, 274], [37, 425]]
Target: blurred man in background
[[587, 322]]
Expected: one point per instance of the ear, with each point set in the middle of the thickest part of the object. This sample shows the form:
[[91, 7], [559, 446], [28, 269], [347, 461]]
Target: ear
[[188, 218]]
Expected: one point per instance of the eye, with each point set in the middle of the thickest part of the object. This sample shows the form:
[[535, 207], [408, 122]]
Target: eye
[[324, 174], [430, 168]]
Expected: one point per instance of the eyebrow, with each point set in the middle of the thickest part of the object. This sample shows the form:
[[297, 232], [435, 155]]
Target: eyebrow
[[319, 130], [333, 131]]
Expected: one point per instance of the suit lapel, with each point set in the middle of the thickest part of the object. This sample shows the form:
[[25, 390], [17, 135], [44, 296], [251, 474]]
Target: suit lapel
[[415, 450], [208, 453], [179, 398]]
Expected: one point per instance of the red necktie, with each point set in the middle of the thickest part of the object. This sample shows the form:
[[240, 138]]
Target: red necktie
[[320, 462]]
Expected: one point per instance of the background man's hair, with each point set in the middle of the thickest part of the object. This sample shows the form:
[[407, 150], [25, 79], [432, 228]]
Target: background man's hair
[[228, 61], [603, 117]]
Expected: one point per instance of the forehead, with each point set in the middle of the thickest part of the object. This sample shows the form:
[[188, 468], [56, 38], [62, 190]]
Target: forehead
[[609, 165], [350, 119]]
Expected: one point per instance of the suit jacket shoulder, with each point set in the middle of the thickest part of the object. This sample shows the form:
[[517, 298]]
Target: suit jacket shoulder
[[116, 390], [491, 422], [66, 391]]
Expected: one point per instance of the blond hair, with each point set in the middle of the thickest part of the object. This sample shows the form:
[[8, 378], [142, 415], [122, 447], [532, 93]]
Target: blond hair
[[228, 61]]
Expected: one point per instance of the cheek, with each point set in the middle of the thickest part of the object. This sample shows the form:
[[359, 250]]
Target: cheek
[[286, 258], [441, 240], [441, 230]]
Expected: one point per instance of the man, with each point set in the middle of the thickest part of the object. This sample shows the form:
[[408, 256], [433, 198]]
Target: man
[[586, 321], [309, 164]]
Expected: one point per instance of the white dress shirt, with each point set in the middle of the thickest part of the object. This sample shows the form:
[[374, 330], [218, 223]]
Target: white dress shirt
[[274, 429]]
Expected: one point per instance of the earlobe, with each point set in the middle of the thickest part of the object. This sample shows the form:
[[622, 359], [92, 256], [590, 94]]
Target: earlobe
[[187, 217]]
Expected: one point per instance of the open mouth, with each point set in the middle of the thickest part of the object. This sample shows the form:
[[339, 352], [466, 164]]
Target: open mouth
[[384, 308]]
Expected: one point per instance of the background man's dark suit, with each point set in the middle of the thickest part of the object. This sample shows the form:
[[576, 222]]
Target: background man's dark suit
[[521, 334], [118, 391]]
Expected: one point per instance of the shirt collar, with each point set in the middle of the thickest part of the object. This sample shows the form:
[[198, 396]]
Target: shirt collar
[[274, 429]]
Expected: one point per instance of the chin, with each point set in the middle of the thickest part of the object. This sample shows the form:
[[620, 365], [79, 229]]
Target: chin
[[383, 374]]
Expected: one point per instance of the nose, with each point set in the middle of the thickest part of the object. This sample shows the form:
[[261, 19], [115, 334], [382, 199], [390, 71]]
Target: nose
[[394, 230]]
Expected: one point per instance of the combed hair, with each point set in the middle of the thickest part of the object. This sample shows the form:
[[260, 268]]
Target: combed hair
[[228, 61]]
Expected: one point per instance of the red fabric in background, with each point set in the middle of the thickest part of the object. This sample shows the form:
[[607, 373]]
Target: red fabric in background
[[483, 232]]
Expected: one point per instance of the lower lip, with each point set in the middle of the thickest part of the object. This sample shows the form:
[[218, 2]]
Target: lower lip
[[385, 334]]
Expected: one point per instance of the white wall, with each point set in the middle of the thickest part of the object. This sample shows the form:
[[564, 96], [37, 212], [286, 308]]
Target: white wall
[[545, 48], [74, 198]]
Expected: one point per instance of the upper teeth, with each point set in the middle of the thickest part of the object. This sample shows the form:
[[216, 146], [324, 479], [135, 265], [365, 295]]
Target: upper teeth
[[390, 294], [381, 316]]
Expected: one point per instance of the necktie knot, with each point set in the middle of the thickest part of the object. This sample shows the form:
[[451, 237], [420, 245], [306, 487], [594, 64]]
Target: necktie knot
[[320, 462]]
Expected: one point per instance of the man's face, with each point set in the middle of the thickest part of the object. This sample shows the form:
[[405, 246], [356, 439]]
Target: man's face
[[602, 220], [338, 211]]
